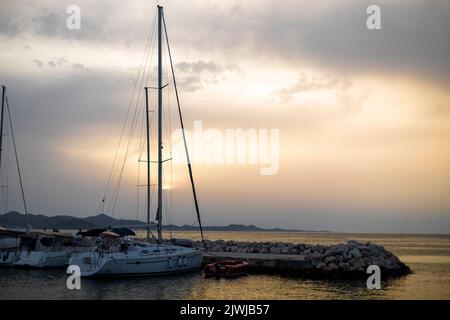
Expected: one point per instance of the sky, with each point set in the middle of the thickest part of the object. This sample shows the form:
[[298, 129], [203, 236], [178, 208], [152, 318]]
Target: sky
[[362, 116]]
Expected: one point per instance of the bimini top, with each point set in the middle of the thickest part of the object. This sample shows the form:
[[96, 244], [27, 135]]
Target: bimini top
[[51, 233], [123, 232], [11, 233]]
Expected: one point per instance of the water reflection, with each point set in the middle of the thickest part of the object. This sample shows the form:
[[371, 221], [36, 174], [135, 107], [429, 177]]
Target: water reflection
[[38, 284], [430, 278]]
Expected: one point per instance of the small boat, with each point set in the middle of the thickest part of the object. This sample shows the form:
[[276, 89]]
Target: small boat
[[226, 269]]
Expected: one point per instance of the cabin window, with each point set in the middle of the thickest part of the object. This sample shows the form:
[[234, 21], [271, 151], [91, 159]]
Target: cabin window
[[46, 242]]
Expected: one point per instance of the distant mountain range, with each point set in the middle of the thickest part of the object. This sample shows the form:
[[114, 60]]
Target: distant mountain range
[[16, 220]]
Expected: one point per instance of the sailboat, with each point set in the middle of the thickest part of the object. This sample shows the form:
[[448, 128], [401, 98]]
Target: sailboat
[[30, 248], [9, 246], [10, 240], [126, 256]]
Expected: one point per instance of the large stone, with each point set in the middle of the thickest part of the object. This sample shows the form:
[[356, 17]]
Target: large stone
[[343, 265], [315, 262], [365, 253], [374, 251], [316, 258], [341, 248], [330, 251], [359, 264], [355, 253], [353, 244], [329, 259], [320, 265], [275, 250], [333, 266]]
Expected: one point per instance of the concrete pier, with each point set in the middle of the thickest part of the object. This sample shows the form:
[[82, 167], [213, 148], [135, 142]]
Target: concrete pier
[[266, 263]]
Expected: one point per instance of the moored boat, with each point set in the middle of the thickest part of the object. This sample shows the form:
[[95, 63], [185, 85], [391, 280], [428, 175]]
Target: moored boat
[[9, 246], [226, 269], [134, 257], [49, 249], [122, 256], [10, 240]]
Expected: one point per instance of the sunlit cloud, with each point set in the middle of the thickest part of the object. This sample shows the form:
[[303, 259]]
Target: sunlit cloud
[[363, 117]]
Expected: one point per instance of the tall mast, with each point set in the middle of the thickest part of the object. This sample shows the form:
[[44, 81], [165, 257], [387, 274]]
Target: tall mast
[[160, 146], [1, 123], [191, 176], [148, 162]]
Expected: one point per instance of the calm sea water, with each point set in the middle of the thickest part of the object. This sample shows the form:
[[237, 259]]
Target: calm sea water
[[427, 255]]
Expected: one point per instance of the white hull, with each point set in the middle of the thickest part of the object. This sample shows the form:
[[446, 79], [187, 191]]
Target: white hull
[[9, 243], [42, 259], [8, 257], [142, 261]]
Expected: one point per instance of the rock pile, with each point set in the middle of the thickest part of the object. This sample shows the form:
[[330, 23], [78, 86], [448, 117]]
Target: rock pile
[[351, 257]]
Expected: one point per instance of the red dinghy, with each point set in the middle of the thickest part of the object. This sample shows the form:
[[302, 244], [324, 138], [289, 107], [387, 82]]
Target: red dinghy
[[226, 269]]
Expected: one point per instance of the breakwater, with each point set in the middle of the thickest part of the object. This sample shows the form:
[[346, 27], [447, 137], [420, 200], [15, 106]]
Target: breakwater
[[340, 260]]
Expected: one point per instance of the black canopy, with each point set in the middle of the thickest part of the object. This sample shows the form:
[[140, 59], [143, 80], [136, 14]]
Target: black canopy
[[123, 232]]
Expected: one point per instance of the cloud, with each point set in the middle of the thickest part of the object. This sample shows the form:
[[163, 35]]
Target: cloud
[[305, 84], [199, 66], [193, 76], [78, 66], [328, 35], [38, 63], [47, 19], [390, 72], [57, 62]]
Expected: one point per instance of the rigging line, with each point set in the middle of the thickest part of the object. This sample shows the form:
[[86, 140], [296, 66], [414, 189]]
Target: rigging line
[[4, 176], [170, 152], [119, 178], [130, 138], [146, 117], [109, 181], [142, 142], [8, 162], [152, 188], [132, 129], [17, 159], [137, 194], [131, 134], [141, 151], [184, 135], [139, 169], [168, 124]]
